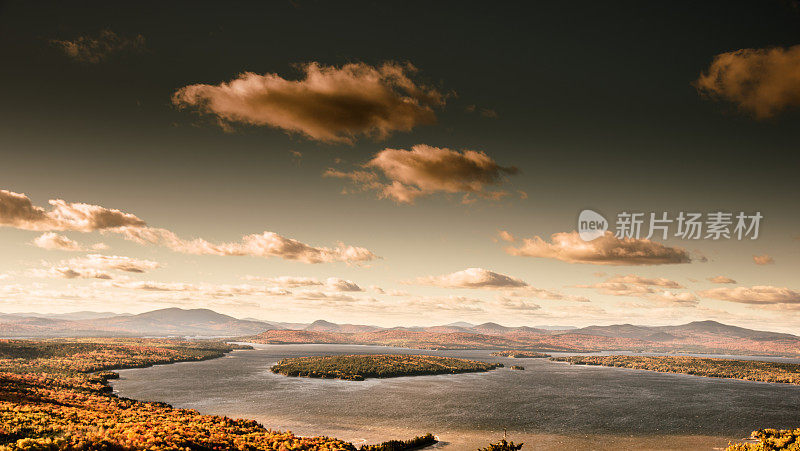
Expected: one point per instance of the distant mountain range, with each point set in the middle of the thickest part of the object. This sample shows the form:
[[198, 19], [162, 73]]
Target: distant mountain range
[[160, 323], [695, 337]]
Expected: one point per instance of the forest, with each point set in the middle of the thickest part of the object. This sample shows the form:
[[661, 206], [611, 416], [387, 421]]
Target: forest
[[359, 367], [54, 395], [751, 370], [769, 440]]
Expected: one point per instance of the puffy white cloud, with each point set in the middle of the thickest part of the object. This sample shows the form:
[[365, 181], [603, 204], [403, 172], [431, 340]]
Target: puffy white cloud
[[330, 104], [404, 175], [606, 250], [721, 279], [762, 82]]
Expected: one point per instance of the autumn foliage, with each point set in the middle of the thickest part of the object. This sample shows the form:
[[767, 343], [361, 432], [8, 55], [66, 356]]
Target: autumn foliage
[[751, 370], [48, 400], [358, 367]]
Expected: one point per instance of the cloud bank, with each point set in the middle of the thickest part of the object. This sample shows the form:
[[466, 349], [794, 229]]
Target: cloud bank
[[17, 210], [266, 244], [330, 104], [606, 250], [403, 175]]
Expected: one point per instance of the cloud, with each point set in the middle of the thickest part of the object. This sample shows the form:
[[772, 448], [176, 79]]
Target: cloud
[[330, 104], [266, 244], [517, 304], [89, 49], [403, 175], [53, 241], [331, 283], [204, 289], [758, 295], [606, 250], [762, 82], [473, 278], [763, 260], [446, 303], [651, 289], [721, 279], [506, 236], [479, 278], [638, 280], [17, 210], [96, 266], [334, 298]]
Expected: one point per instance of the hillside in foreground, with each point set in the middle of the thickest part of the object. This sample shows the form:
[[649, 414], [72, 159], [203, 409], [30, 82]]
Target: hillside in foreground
[[49, 400]]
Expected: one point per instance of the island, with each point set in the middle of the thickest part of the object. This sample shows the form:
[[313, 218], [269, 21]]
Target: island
[[521, 354], [750, 370], [360, 367]]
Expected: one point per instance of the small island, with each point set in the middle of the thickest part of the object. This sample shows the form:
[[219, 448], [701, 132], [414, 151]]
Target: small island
[[360, 367], [521, 354]]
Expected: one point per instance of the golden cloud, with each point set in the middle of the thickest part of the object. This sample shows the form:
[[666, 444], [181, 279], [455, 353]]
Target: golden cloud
[[425, 170], [330, 104], [762, 82], [606, 250]]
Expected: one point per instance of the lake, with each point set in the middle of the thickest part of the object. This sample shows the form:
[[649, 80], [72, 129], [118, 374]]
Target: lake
[[549, 405]]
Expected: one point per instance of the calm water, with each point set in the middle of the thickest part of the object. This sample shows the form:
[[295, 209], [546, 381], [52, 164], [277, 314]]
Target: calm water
[[549, 405]]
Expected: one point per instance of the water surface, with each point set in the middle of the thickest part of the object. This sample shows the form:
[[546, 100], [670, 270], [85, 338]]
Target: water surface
[[549, 405]]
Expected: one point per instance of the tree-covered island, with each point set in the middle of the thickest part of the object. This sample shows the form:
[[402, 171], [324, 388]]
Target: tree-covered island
[[360, 367]]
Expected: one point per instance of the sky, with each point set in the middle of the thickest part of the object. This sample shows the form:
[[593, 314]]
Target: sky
[[399, 163]]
